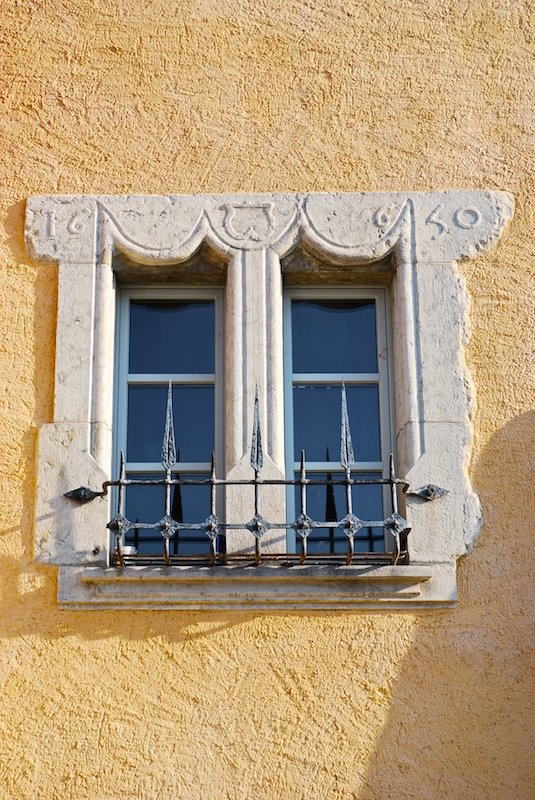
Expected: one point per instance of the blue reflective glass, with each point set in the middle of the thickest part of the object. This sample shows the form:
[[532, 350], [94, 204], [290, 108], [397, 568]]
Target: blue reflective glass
[[194, 422], [334, 336], [147, 504], [172, 336], [317, 422], [328, 503]]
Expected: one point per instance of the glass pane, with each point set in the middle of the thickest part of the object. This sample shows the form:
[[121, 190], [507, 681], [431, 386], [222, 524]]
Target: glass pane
[[317, 422], [147, 504], [194, 422], [334, 336], [328, 503], [172, 336]]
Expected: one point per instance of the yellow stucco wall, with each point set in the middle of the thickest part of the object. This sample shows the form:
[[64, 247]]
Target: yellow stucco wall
[[111, 96]]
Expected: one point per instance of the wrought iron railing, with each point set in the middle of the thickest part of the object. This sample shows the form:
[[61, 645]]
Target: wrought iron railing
[[395, 526]]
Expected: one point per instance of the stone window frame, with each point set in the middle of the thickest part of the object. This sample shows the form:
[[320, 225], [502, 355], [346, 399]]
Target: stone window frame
[[415, 239]]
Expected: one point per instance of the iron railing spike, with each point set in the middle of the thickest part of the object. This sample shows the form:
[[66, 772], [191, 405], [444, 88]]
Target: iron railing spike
[[303, 475], [122, 478], [168, 457], [393, 488], [347, 456], [212, 486], [257, 456]]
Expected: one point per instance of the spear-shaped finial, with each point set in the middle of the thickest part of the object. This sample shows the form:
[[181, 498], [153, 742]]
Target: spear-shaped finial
[[212, 485], [257, 456], [347, 456], [168, 458], [393, 491], [122, 479]]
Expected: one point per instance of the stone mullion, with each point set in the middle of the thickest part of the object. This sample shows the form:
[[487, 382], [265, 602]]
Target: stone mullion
[[254, 330]]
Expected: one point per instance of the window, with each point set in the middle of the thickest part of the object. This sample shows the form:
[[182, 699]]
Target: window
[[167, 371], [168, 338], [408, 243], [338, 337]]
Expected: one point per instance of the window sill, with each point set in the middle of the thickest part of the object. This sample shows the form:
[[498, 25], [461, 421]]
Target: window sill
[[270, 587]]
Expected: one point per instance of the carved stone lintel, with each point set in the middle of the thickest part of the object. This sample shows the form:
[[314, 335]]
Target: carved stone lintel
[[443, 226]]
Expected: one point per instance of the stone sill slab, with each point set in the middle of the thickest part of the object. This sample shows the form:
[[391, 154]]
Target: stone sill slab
[[270, 587]]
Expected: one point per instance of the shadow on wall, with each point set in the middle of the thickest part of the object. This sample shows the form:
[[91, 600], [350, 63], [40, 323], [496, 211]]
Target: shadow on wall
[[462, 709]]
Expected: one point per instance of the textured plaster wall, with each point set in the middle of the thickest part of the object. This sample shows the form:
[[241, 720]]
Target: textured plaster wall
[[226, 96]]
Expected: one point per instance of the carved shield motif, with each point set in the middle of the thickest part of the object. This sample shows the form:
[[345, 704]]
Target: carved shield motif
[[248, 222]]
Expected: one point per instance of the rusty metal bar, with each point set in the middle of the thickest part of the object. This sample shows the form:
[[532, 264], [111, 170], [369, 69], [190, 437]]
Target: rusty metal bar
[[213, 522], [347, 459], [245, 482], [118, 528], [394, 499], [303, 516]]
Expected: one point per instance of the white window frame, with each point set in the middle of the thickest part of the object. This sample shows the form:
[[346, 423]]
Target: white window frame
[[382, 379], [413, 239], [124, 378]]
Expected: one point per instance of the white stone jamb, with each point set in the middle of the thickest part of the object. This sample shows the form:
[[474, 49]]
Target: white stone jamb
[[65, 231]]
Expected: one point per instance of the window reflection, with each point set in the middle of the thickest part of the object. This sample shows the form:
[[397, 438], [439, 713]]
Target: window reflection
[[193, 416], [317, 421], [172, 336], [334, 336], [335, 340], [170, 339], [147, 504]]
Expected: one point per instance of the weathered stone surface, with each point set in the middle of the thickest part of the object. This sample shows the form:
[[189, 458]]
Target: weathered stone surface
[[421, 235], [264, 588], [438, 226]]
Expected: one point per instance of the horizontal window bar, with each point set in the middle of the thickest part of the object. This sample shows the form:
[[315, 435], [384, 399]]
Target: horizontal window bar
[[151, 466], [311, 466], [335, 377], [334, 466], [164, 378]]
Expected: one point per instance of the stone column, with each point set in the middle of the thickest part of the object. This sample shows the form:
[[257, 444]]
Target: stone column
[[254, 364]]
